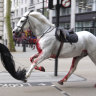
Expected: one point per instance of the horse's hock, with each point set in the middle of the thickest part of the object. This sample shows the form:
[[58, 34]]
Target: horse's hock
[[1, 19]]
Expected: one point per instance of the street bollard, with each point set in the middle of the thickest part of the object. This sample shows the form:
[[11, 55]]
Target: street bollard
[[24, 46]]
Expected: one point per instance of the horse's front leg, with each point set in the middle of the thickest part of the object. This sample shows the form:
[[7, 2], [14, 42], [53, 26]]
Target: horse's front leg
[[33, 57], [42, 56], [41, 68]]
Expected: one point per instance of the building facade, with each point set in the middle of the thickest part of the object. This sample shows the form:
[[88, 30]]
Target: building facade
[[18, 8], [85, 16], [1, 20], [85, 13]]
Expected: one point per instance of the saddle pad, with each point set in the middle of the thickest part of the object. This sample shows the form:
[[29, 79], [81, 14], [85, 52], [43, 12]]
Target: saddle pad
[[72, 38]]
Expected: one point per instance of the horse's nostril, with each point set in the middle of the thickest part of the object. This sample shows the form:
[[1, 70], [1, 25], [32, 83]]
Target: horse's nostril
[[13, 31]]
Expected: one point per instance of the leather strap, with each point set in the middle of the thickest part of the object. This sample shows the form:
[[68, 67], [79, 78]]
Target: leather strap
[[59, 50]]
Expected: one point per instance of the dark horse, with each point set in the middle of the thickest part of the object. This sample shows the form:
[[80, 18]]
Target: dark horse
[[9, 64]]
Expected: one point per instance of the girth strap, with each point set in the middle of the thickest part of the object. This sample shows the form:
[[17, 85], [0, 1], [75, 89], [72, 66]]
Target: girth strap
[[59, 50]]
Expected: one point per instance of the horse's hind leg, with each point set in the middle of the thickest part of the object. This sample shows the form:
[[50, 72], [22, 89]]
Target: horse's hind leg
[[93, 57], [73, 66], [72, 69]]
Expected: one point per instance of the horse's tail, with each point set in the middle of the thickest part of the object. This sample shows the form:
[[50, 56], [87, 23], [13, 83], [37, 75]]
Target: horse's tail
[[9, 64]]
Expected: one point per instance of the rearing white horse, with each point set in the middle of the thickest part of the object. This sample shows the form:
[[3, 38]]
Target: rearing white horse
[[48, 45]]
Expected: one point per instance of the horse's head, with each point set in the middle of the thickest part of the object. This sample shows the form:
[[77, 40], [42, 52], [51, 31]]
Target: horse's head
[[23, 24], [34, 21], [20, 26]]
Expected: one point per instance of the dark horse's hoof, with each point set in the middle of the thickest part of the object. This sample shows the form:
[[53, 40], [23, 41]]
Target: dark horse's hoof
[[25, 80], [95, 85], [60, 82], [42, 69]]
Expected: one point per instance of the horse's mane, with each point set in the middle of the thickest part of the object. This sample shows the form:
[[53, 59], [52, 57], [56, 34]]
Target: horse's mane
[[40, 17]]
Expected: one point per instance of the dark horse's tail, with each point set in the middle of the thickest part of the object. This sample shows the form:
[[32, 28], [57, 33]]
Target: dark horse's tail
[[9, 64]]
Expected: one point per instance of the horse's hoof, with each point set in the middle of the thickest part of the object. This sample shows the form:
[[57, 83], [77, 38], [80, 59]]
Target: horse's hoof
[[25, 80], [42, 68], [60, 82], [95, 85]]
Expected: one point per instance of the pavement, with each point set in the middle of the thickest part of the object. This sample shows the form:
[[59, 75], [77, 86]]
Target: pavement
[[81, 83]]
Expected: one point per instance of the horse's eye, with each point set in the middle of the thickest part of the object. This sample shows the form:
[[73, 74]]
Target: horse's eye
[[22, 21]]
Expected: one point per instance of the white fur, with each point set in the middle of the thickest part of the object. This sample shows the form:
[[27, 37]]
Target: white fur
[[40, 17]]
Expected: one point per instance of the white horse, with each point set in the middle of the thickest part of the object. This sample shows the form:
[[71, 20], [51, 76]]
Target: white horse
[[48, 45]]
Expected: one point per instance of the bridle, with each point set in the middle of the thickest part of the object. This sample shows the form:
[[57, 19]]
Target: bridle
[[21, 27], [24, 22]]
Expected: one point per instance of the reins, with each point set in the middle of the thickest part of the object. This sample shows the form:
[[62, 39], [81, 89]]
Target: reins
[[47, 31]]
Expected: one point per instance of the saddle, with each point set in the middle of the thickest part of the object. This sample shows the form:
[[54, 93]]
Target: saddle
[[68, 36]]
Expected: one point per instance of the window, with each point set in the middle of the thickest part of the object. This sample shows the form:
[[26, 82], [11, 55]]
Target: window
[[21, 1], [13, 25], [38, 1], [17, 2], [16, 12], [25, 1], [31, 2], [21, 11], [65, 11], [25, 9], [84, 5], [14, 1], [87, 26]]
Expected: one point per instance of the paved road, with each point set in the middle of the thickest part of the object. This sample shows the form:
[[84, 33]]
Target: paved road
[[81, 83], [36, 79]]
